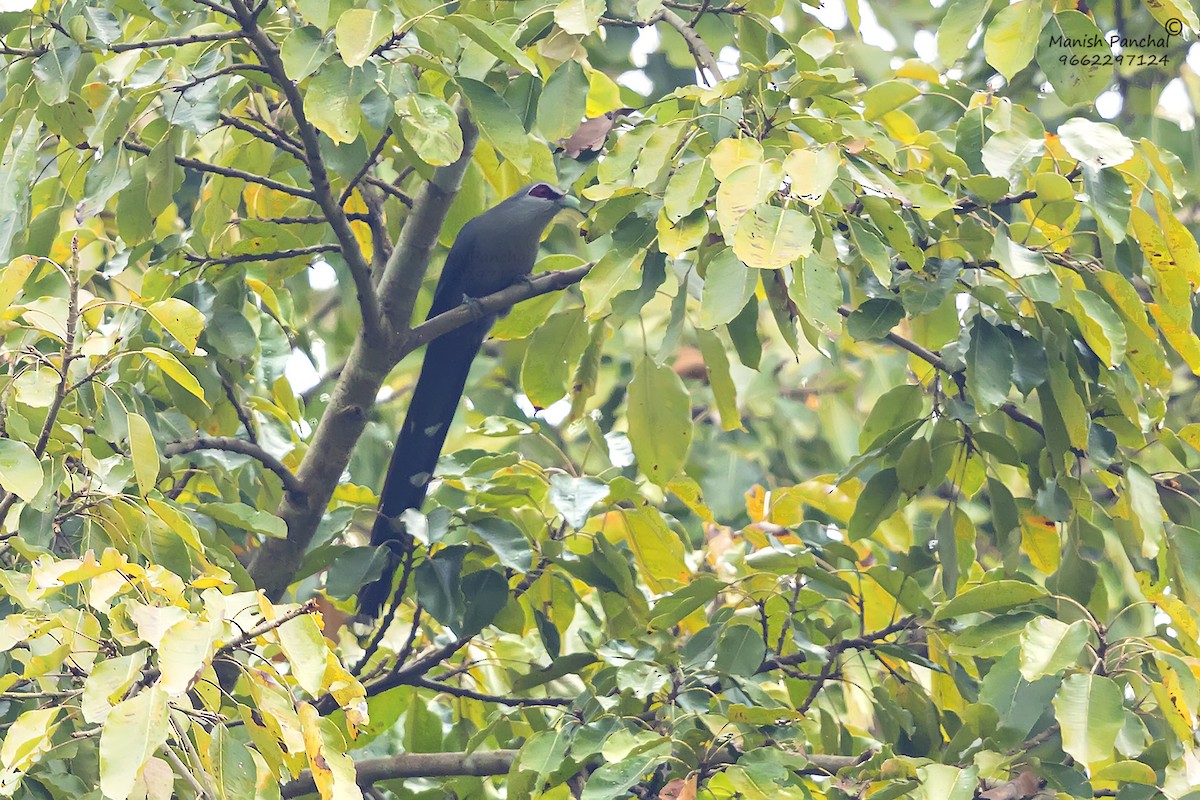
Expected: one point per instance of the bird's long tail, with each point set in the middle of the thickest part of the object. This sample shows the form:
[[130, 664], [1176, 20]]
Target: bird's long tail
[[430, 413]]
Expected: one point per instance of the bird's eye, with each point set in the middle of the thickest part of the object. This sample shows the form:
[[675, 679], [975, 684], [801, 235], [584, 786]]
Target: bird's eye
[[545, 192]]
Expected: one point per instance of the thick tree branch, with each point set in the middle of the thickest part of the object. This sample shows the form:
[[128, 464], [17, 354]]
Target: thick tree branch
[[229, 444], [699, 48], [400, 279], [275, 563]]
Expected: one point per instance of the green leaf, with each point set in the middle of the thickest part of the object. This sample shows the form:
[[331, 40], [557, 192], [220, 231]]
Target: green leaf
[[233, 771], [486, 592], [1096, 144], [897, 406], [994, 596], [133, 732], [306, 652], [303, 52], [144, 451], [769, 237], [728, 287], [958, 26], [245, 517], [438, 581], [887, 96], [740, 650], [1101, 326], [989, 366], [546, 751], [874, 318], [946, 782], [496, 38], [716, 365], [563, 100], [659, 411], [359, 31], [688, 189], [575, 497], [1108, 196], [507, 542], [1049, 646], [579, 17], [553, 350], [670, 610], [20, 472], [170, 366], [353, 569], [617, 271], [1012, 37], [1088, 69], [498, 123], [1142, 506], [431, 128], [879, 500], [1090, 711], [614, 779], [331, 105], [569, 664]]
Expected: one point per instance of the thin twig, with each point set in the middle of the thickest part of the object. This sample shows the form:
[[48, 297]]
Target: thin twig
[[276, 255], [227, 172], [457, 691]]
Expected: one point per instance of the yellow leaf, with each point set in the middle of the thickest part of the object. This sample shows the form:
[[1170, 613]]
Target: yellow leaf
[[1040, 541], [732, 154], [742, 190], [13, 277], [687, 234], [170, 365], [769, 237], [657, 549], [361, 230]]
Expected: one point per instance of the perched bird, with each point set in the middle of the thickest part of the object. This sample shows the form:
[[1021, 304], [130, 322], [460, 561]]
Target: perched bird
[[490, 253]]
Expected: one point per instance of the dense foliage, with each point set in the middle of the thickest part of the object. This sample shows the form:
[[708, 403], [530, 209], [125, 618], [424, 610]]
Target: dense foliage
[[843, 449]]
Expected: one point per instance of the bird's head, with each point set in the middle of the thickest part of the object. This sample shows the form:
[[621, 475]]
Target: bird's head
[[543, 201]]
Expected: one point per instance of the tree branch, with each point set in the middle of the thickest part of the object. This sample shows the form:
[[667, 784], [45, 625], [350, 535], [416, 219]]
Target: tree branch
[[229, 444], [542, 283], [415, 765], [174, 41], [360, 271], [268, 136], [457, 691], [227, 172], [64, 383], [699, 48], [274, 255], [275, 563]]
